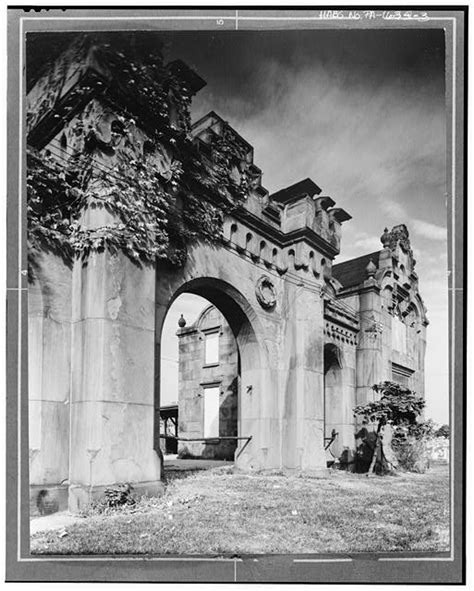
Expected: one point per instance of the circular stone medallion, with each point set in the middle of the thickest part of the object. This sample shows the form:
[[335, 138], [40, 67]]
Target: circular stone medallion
[[265, 292]]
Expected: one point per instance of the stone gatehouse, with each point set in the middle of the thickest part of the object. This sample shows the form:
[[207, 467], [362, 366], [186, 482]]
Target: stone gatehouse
[[208, 363], [312, 336]]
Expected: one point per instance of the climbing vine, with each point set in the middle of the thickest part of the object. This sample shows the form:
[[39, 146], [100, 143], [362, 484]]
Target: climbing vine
[[126, 175]]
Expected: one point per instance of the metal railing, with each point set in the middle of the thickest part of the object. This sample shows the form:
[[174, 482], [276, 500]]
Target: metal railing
[[212, 440], [334, 434]]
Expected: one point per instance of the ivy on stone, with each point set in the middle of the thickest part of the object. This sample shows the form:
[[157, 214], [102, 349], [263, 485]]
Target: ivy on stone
[[152, 213]]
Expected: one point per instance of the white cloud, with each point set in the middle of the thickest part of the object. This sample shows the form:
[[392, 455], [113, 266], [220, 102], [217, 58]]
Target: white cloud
[[366, 243], [394, 209], [427, 230], [190, 306], [358, 245]]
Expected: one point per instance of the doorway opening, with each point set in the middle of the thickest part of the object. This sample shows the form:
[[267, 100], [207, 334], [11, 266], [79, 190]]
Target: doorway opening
[[333, 402], [206, 348], [200, 374]]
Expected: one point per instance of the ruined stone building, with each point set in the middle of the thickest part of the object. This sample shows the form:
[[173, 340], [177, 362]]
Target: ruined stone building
[[207, 387], [312, 336]]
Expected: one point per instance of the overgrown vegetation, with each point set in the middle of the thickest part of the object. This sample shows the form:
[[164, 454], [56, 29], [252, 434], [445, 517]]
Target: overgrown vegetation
[[115, 497], [145, 171], [218, 512], [119, 495], [411, 444]]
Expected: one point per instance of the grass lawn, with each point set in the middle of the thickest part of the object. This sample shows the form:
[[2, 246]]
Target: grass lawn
[[218, 512]]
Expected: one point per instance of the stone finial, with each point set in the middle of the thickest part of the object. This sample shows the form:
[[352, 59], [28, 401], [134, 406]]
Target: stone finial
[[370, 269], [181, 321], [399, 235], [385, 238]]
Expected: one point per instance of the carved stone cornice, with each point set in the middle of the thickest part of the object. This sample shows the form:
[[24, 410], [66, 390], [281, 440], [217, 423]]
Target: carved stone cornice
[[339, 315], [335, 333], [282, 239]]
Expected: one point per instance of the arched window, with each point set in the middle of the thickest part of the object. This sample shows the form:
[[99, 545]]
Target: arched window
[[291, 258], [233, 233]]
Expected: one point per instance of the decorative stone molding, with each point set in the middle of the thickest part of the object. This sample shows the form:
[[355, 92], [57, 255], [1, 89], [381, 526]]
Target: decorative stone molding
[[370, 269], [398, 235], [338, 334], [338, 314], [265, 292]]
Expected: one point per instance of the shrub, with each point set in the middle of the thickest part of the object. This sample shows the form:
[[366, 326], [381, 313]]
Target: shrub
[[410, 444], [119, 496], [113, 498]]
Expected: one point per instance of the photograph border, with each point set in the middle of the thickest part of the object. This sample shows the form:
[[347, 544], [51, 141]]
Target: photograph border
[[361, 568]]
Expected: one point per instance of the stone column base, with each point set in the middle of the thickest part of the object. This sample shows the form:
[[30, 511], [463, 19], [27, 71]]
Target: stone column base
[[48, 498]]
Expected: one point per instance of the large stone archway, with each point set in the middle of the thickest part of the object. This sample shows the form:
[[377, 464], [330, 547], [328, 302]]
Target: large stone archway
[[281, 380], [111, 383], [256, 378]]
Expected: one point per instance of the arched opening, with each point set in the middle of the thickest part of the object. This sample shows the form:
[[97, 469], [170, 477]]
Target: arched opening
[[207, 350], [233, 234], [249, 240], [291, 258], [333, 401], [274, 256]]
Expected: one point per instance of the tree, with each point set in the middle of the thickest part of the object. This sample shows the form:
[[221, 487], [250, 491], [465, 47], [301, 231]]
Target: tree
[[443, 431], [396, 406]]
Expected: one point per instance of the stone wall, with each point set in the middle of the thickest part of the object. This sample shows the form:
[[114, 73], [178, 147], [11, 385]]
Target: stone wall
[[49, 379], [91, 357]]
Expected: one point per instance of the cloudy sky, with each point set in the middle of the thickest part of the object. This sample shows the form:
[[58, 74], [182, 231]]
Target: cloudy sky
[[360, 112]]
